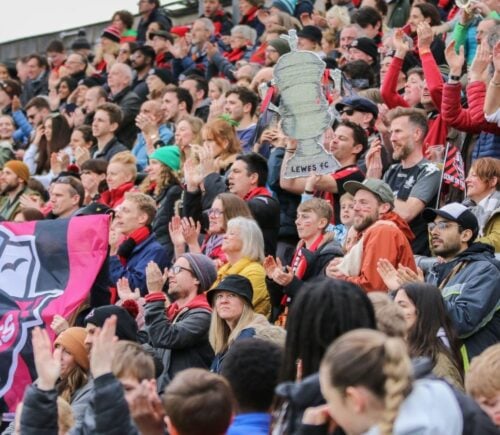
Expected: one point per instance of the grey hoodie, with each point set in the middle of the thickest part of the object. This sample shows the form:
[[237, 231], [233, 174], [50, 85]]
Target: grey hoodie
[[430, 409]]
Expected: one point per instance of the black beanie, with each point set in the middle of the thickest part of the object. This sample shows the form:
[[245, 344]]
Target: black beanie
[[126, 327]]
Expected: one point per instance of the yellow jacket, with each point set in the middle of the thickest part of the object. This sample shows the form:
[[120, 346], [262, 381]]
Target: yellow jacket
[[255, 273]]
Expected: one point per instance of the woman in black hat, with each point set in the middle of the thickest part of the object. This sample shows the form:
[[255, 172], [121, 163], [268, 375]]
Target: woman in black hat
[[233, 317]]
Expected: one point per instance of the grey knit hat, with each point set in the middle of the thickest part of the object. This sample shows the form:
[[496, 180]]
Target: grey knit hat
[[203, 268]]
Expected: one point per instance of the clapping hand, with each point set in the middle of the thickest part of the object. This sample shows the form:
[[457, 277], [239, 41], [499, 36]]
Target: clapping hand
[[59, 324], [270, 266], [455, 60], [282, 275], [190, 230], [154, 278], [125, 292], [103, 348], [47, 364], [146, 408], [175, 231]]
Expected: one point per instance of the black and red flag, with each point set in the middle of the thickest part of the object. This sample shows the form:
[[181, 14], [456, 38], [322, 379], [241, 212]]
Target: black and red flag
[[46, 268]]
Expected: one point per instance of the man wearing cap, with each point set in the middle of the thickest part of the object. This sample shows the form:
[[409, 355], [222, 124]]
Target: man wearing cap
[[469, 277], [181, 331], [274, 50], [363, 112], [13, 185], [150, 122], [161, 41], [365, 49], [381, 233], [310, 40], [150, 11], [193, 58], [142, 62], [414, 180], [120, 85]]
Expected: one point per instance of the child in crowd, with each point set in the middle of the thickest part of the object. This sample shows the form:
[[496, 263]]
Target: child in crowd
[[482, 382]]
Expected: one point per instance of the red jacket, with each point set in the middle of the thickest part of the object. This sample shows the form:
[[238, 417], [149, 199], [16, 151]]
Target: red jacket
[[468, 120], [438, 128]]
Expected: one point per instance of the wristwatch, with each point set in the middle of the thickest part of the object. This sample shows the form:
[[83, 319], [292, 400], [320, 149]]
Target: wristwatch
[[452, 78]]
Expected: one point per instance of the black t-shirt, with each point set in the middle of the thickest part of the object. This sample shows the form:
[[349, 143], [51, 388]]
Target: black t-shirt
[[422, 182]]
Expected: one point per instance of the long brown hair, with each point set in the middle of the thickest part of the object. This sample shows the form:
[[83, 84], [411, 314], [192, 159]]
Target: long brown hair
[[233, 207], [61, 135], [68, 385]]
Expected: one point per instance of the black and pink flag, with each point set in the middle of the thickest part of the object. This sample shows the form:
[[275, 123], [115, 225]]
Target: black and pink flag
[[46, 268]]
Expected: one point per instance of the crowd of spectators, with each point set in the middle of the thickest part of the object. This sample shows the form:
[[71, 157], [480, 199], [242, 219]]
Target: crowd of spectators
[[237, 300]]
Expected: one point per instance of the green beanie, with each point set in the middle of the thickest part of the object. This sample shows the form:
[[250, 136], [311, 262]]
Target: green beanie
[[169, 155]]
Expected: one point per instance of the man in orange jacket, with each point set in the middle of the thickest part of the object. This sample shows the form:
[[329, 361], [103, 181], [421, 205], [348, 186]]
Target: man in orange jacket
[[381, 233]]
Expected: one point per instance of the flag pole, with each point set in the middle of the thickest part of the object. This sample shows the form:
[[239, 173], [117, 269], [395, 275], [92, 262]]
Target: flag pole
[[442, 174]]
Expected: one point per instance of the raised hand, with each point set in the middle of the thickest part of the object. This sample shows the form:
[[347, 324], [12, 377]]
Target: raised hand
[[311, 182], [103, 348], [405, 274], [124, 290], [192, 175], [154, 278], [425, 36], [455, 60], [190, 230], [389, 274], [175, 231], [47, 364], [146, 408], [401, 44], [374, 159], [496, 57], [59, 324], [81, 155], [479, 68], [270, 266]]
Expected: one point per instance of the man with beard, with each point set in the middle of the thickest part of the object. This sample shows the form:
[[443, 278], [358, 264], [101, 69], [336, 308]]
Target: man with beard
[[381, 233], [143, 59], [469, 276], [13, 184], [414, 180], [181, 330]]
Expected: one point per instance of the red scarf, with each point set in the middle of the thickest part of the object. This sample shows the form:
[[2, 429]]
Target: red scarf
[[115, 197], [234, 56], [257, 191], [135, 238], [200, 301]]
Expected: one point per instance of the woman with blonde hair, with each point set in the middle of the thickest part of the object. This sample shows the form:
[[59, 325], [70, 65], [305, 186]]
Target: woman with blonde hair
[[337, 17], [108, 49], [367, 381], [243, 245], [234, 318], [120, 177]]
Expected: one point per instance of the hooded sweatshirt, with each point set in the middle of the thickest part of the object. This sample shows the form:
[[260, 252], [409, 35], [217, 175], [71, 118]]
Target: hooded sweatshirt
[[431, 408], [388, 238]]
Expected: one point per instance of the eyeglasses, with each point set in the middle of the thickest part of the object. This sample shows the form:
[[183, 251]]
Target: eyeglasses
[[176, 269], [215, 212], [348, 112], [441, 226]]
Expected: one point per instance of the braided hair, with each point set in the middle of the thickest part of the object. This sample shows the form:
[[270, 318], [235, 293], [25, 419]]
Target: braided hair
[[323, 310], [374, 361]]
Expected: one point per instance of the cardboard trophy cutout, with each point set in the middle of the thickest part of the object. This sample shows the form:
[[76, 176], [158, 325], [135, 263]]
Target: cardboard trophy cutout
[[304, 110]]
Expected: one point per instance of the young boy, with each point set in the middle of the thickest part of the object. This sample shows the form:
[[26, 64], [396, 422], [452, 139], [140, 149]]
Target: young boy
[[482, 382], [314, 251]]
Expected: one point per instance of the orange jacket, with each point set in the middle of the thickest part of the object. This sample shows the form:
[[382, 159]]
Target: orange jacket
[[383, 239]]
